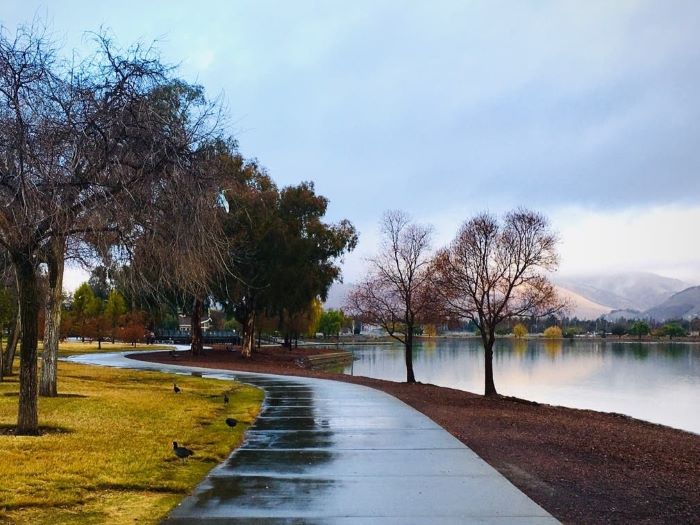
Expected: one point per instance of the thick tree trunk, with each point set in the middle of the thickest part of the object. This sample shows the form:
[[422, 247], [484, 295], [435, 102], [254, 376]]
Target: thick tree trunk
[[48, 382], [248, 335], [408, 354], [28, 417], [489, 386], [9, 358], [197, 342]]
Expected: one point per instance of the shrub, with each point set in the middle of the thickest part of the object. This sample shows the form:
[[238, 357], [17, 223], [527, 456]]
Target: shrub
[[553, 332], [519, 330]]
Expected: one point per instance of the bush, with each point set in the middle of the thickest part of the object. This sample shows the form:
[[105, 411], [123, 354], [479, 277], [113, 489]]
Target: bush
[[519, 330], [571, 332], [553, 332]]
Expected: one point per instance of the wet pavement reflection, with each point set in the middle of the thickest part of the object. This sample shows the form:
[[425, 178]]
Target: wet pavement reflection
[[329, 452]]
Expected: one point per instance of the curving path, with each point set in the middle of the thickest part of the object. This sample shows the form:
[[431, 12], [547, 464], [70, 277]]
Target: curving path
[[329, 452]]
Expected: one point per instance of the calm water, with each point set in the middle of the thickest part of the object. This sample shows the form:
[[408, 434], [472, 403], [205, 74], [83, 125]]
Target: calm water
[[658, 382]]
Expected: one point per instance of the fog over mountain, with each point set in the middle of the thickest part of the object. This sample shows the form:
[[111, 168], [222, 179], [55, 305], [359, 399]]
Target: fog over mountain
[[624, 291], [684, 304], [629, 295]]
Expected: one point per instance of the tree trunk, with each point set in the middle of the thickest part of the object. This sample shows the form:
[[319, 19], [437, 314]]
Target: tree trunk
[[489, 386], [408, 354], [27, 417], [2, 353], [49, 357], [9, 359], [248, 335], [196, 331]]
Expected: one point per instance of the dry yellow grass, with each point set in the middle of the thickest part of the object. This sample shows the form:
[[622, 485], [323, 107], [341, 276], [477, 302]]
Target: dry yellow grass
[[66, 348], [107, 455]]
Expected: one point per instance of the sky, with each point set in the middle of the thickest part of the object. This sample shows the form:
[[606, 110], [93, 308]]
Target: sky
[[587, 111]]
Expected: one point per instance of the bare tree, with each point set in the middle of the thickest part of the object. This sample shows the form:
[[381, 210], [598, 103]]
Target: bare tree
[[494, 271], [85, 151], [396, 293]]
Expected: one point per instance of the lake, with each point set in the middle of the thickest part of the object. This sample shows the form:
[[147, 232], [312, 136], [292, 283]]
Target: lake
[[658, 382]]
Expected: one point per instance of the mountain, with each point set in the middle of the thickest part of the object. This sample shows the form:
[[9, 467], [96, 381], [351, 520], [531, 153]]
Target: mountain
[[579, 306], [616, 315], [624, 291], [684, 304]]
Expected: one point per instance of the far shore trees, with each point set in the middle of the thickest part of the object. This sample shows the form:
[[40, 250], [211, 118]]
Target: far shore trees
[[494, 270], [640, 329], [396, 293]]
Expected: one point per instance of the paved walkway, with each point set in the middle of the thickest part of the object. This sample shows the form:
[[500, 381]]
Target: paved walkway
[[330, 452]]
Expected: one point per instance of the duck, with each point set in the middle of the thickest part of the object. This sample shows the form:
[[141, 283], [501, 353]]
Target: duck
[[176, 388], [182, 452]]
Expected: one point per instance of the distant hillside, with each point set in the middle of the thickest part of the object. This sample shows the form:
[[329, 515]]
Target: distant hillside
[[624, 291], [579, 306], [681, 305], [616, 315]]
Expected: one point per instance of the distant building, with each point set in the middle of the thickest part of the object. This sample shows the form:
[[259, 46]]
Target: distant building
[[185, 324]]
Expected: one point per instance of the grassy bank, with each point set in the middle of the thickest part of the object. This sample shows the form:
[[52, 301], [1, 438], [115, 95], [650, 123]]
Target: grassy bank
[[106, 454]]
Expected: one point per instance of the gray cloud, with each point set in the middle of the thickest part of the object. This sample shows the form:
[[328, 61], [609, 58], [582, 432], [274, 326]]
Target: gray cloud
[[442, 104]]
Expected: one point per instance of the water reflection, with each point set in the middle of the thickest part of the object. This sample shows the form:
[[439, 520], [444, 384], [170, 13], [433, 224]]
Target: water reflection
[[659, 382], [287, 440]]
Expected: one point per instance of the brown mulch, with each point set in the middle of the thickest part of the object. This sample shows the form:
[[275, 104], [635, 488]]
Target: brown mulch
[[580, 465]]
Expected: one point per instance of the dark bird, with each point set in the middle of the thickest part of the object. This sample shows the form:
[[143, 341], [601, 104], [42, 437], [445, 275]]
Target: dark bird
[[225, 399], [182, 452], [231, 422], [176, 388]]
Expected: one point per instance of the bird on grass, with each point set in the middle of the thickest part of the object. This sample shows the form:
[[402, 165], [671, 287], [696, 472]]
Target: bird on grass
[[231, 422], [176, 388], [225, 399], [182, 452]]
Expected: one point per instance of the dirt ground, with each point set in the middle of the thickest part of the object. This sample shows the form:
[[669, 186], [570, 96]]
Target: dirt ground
[[580, 465]]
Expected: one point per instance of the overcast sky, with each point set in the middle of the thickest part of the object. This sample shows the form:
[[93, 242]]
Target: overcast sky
[[588, 111]]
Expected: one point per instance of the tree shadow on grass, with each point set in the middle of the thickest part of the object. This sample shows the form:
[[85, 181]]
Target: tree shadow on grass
[[10, 430]]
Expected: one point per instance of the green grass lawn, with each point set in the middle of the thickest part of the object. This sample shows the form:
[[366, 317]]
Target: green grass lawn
[[107, 454]]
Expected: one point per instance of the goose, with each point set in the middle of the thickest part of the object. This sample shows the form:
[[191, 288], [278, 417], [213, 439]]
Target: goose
[[182, 452]]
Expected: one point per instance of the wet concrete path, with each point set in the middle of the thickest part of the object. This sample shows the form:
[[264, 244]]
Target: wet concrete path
[[330, 452]]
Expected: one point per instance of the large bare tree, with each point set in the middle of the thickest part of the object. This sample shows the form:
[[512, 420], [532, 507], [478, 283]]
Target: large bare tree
[[85, 151], [396, 294], [495, 270]]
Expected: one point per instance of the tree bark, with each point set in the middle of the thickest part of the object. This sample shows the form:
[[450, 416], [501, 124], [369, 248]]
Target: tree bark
[[408, 354], [28, 417], [489, 386], [48, 382], [9, 359], [2, 354], [248, 335], [197, 343]]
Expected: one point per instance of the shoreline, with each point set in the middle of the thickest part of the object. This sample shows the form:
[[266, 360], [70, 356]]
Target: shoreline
[[581, 465]]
